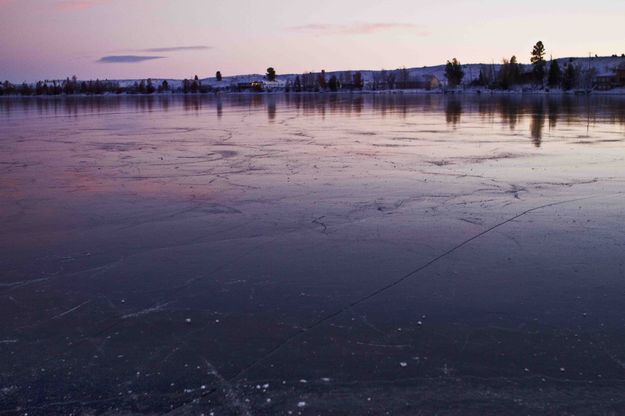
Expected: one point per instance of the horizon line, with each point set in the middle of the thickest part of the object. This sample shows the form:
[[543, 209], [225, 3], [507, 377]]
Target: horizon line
[[290, 73]]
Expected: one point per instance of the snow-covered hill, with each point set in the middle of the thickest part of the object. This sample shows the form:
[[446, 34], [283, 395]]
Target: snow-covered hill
[[600, 65], [596, 66]]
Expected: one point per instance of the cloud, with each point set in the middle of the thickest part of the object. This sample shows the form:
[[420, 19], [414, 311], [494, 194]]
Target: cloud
[[70, 5], [127, 59], [177, 48], [357, 28]]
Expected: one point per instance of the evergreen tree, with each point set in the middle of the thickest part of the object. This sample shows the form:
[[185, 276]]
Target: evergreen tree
[[515, 71], [555, 74], [56, 88], [70, 86], [509, 73], [9, 88], [25, 89], [41, 88], [271, 74], [454, 73], [297, 86], [164, 87], [504, 75], [322, 80], [218, 76], [309, 82], [98, 87], [334, 84], [482, 79], [404, 78], [390, 79], [142, 88], [569, 77], [195, 85], [359, 83], [150, 87], [538, 60]]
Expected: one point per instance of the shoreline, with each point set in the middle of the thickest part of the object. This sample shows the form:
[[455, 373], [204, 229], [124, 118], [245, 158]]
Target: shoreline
[[471, 92]]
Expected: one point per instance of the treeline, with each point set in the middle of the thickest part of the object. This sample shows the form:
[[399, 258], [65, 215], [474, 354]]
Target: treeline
[[71, 86], [539, 73], [318, 82], [510, 74], [192, 86]]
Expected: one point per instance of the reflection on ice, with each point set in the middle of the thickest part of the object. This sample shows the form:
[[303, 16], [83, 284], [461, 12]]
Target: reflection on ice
[[266, 254]]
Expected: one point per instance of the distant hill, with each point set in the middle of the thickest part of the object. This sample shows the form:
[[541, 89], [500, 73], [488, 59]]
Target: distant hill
[[601, 65], [600, 72]]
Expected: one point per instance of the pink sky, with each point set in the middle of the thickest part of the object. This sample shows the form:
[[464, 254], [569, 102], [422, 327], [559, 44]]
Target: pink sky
[[166, 38]]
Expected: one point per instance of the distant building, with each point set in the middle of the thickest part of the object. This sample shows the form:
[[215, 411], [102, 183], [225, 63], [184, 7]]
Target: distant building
[[419, 82], [256, 86], [276, 85], [430, 82], [608, 80], [605, 81]]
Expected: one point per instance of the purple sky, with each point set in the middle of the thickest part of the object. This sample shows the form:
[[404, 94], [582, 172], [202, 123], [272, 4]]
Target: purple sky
[[166, 38]]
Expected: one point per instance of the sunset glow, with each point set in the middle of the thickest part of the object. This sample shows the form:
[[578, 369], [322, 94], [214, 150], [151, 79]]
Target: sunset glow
[[162, 38]]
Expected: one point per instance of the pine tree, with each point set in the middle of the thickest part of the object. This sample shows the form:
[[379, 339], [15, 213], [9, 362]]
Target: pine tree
[[482, 79], [271, 74], [8, 88], [390, 80], [322, 80], [509, 73], [504, 75], [334, 84], [68, 87], [150, 87], [142, 88], [358, 81], [164, 87], [98, 87], [515, 71], [25, 89], [404, 77], [297, 86], [569, 77], [555, 74], [195, 85], [538, 60], [454, 73]]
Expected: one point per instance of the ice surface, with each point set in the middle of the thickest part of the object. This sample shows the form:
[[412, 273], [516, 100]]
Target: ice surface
[[169, 255]]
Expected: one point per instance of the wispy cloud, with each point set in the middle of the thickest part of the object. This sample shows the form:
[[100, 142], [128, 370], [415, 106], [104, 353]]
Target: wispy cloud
[[70, 5], [358, 28], [127, 59], [177, 48]]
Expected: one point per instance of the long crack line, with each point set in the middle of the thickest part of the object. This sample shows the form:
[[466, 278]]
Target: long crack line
[[390, 285]]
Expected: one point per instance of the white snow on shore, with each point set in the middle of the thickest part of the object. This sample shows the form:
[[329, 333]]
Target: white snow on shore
[[600, 65]]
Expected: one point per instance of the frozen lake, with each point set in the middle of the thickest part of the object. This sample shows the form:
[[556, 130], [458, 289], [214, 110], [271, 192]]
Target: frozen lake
[[348, 255]]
